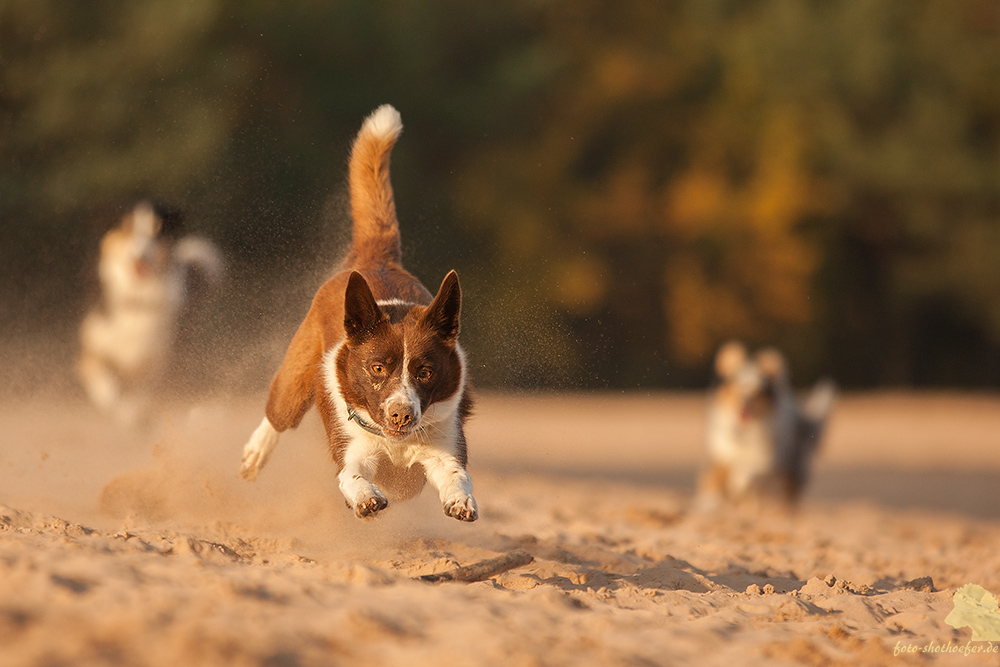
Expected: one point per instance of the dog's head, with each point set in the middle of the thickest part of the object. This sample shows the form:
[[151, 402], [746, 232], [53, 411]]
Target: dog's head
[[141, 243], [399, 361], [749, 386]]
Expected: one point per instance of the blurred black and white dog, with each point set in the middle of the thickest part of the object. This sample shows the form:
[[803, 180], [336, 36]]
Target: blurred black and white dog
[[146, 271], [761, 438]]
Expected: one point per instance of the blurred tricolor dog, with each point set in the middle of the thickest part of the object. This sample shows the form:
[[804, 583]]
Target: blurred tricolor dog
[[761, 440], [146, 273], [379, 356]]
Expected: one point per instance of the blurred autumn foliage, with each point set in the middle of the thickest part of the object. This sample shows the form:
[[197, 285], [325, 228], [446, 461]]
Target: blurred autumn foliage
[[621, 185]]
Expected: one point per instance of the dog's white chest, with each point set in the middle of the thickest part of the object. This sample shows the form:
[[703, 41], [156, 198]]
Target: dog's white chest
[[744, 446], [399, 453], [138, 325]]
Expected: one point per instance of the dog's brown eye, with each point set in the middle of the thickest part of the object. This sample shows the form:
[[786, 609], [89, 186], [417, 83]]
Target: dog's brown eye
[[378, 369], [424, 374]]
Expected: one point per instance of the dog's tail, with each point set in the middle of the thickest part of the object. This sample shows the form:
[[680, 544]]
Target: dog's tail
[[819, 402], [376, 230], [814, 413], [201, 262]]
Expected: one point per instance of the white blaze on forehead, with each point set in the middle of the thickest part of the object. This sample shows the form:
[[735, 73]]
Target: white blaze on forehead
[[405, 392], [393, 302]]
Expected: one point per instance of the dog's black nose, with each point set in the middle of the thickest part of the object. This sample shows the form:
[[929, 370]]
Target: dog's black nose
[[400, 415]]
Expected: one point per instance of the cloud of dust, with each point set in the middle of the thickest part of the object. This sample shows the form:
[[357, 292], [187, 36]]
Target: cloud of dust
[[180, 476], [193, 483], [179, 471]]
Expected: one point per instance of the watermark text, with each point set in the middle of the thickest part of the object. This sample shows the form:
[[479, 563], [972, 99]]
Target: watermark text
[[967, 649]]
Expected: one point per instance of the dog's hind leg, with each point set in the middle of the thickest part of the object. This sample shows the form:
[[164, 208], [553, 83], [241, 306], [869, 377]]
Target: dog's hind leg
[[258, 450], [290, 397]]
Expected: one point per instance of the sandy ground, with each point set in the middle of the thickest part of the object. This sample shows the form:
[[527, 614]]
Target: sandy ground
[[126, 548]]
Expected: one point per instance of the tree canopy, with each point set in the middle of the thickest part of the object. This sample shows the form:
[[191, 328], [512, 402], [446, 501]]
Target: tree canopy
[[622, 186]]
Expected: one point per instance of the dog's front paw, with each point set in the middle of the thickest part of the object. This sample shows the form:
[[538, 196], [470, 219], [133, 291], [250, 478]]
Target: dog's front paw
[[462, 507], [369, 504]]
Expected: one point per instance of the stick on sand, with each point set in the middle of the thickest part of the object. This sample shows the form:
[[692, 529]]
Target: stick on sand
[[484, 569]]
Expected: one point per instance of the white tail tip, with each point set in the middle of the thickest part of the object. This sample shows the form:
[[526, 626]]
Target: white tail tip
[[384, 122], [201, 254]]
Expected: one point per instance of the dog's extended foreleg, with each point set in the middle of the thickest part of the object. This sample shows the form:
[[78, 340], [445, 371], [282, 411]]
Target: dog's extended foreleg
[[453, 483], [355, 478]]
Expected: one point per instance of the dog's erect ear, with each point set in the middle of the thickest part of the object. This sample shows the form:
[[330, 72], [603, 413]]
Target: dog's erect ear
[[362, 316], [772, 364], [730, 359], [443, 313]]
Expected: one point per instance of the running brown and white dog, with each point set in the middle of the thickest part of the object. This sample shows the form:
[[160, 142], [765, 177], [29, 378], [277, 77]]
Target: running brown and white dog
[[761, 440], [127, 339], [380, 358]]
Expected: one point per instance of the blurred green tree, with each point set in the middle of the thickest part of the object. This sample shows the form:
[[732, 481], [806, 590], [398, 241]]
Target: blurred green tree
[[623, 186]]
